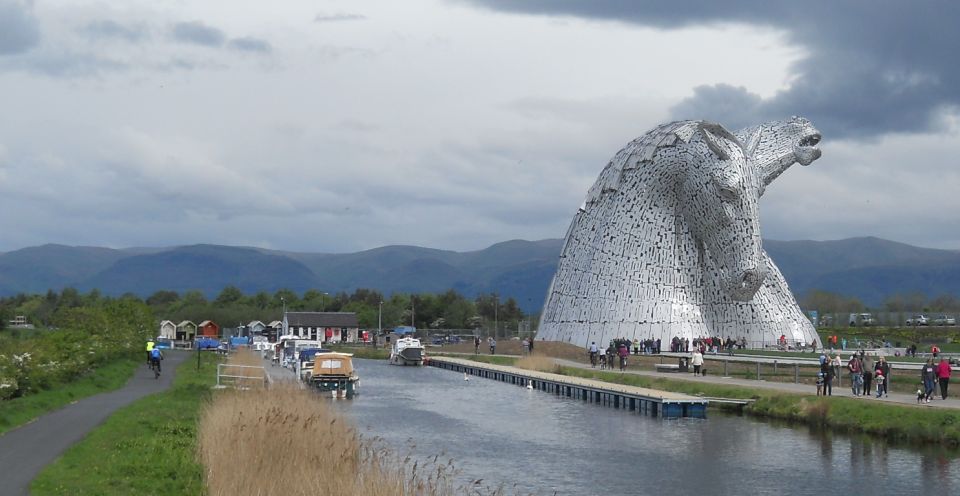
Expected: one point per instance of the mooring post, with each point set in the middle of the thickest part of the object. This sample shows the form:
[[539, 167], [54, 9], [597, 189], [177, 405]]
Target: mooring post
[[774, 367], [796, 373], [758, 371], [725, 363]]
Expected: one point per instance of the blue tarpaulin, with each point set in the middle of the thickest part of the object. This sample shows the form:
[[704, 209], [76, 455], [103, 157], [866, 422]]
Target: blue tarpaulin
[[404, 330]]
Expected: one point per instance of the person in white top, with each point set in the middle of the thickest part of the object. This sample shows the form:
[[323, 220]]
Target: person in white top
[[696, 361]]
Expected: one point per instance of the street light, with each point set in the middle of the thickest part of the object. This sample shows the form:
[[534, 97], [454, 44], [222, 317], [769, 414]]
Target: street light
[[283, 323], [496, 317]]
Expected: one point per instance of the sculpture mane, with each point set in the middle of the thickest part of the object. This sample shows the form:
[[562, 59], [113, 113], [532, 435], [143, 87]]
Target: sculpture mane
[[667, 242]]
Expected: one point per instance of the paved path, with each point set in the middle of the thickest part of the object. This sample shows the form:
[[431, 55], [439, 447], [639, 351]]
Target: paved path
[[789, 387], [25, 451]]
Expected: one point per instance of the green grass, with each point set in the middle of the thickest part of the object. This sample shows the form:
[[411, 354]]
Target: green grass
[[18, 411], [148, 447], [363, 351], [898, 423]]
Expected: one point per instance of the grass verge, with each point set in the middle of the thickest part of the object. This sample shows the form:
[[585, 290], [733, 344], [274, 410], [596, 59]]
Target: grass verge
[[363, 351], [18, 411], [148, 447], [897, 423]]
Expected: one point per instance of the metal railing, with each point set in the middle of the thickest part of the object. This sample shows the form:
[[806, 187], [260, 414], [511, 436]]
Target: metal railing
[[238, 380]]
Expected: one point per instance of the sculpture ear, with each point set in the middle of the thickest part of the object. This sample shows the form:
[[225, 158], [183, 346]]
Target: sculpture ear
[[714, 144], [750, 147]]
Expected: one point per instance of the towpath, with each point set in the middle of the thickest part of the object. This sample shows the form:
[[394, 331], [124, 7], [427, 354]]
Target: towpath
[[26, 450], [912, 376]]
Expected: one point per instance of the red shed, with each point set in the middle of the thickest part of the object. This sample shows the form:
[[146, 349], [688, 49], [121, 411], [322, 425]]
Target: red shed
[[209, 328]]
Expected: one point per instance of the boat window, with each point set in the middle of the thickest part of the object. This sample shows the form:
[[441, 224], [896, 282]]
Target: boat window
[[330, 364]]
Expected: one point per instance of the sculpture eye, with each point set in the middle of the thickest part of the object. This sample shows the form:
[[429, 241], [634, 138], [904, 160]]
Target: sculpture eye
[[729, 194]]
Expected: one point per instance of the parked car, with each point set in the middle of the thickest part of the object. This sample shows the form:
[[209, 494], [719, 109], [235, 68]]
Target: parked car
[[862, 319], [918, 320], [945, 320]]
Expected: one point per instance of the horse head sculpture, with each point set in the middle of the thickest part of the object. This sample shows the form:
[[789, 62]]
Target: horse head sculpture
[[668, 241]]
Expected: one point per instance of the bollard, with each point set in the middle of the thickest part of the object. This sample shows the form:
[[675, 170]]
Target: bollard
[[758, 371], [725, 363], [774, 367], [796, 373]]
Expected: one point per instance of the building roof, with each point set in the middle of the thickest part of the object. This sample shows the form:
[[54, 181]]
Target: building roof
[[186, 323], [275, 324], [254, 323], [165, 322], [205, 323], [322, 319]]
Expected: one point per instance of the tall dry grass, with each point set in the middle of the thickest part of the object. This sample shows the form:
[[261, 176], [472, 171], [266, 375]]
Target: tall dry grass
[[290, 441], [540, 363]]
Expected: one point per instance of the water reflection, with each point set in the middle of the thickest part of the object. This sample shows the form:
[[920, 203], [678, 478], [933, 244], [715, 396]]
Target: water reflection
[[540, 443]]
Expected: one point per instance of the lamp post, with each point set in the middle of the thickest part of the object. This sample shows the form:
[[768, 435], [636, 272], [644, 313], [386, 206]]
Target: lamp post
[[283, 323], [380, 319], [496, 317]]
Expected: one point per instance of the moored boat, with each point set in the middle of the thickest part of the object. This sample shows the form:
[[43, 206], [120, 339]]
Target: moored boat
[[334, 372], [407, 351]]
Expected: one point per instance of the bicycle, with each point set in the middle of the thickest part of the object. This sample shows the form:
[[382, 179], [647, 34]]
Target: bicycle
[[593, 359], [155, 367]]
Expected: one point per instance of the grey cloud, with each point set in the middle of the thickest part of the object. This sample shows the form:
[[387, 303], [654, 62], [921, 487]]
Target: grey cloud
[[18, 28], [65, 64], [872, 67], [108, 29], [338, 17], [250, 44], [198, 33]]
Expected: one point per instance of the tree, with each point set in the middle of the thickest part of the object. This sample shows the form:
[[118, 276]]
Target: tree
[[162, 298], [228, 296]]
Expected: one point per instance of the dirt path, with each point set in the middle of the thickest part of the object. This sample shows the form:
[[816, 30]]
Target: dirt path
[[26, 450]]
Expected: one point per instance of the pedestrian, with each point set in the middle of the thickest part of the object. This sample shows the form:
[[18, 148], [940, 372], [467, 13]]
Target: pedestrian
[[935, 350], [883, 366], [696, 361], [526, 346], [866, 364], [827, 370], [476, 345], [943, 375], [928, 374], [835, 364], [856, 374], [636, 346], [819, 383], [880, 382], [623, 352], [531, 345], [493, 346]]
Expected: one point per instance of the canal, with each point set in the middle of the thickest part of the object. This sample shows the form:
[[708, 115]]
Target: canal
[[533, 442]]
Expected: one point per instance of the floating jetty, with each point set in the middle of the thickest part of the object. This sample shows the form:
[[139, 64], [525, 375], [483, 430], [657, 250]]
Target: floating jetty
[[636, 399]]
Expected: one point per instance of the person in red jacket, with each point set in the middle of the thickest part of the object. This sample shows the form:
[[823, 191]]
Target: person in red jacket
[[943, 376]]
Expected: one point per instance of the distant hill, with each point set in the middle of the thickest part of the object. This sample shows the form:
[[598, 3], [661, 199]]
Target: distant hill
[[869, 268]]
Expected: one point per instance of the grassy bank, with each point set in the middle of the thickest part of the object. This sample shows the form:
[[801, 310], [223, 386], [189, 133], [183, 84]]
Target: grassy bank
[[18, 411], [148, 447], [899, 423], [363, 351]]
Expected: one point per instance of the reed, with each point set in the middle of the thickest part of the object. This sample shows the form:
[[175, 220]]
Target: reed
[[287, 440]]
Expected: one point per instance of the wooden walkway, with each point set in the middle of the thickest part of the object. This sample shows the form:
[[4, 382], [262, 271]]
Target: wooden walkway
[[641, 400]]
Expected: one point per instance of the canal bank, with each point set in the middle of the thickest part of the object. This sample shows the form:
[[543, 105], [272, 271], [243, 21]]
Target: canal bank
[[897, 422]]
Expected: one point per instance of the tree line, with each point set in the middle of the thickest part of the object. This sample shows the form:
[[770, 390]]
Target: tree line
[[827, 302], [231, 307]]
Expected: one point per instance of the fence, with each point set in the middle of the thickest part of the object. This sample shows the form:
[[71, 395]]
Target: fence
[[240, 376]]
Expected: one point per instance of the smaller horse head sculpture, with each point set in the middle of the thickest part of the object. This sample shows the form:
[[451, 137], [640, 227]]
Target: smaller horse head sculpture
[[718, 196]]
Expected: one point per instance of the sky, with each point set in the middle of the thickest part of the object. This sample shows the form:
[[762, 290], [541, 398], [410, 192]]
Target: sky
[[338, 126]]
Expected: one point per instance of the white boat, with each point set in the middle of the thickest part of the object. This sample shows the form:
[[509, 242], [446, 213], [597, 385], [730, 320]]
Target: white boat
[[407, 351]]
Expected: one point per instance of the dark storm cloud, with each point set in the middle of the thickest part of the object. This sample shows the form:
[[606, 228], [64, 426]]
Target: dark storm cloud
[[18, 28], [871, 67], [198, 33], [107, 29], [250, 44]]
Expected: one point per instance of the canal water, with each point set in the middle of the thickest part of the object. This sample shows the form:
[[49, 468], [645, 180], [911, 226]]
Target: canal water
[[532, 442]]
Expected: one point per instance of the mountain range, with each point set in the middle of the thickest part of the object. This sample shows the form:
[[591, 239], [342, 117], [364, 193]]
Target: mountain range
[[871, 269]]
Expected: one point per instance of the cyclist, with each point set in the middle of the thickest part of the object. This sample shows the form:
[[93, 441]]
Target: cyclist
[[149, 349], [155, 356], [593, 354]]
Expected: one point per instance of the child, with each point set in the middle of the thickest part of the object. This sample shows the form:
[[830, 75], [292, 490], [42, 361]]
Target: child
[[921, 396], [879, 380], [819, 383]]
